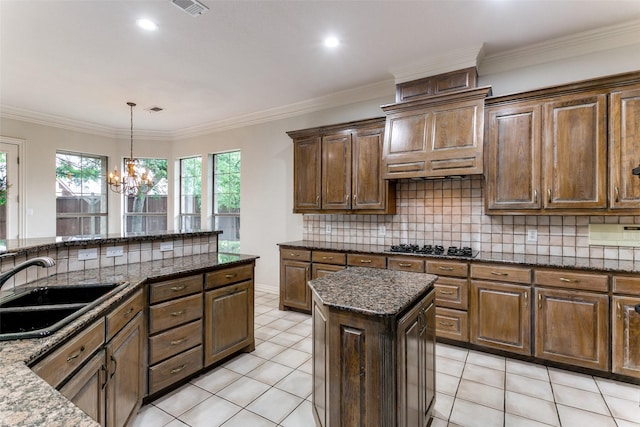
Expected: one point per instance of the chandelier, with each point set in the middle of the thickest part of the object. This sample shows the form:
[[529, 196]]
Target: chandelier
[[130, 184]]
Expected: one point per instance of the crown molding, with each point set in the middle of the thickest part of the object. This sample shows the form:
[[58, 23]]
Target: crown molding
[[601, 39], [345, 97], [450, 61]]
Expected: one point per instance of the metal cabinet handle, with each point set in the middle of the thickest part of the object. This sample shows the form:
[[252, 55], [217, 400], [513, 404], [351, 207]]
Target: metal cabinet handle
[[526, 299], [564, 279], [347, 197], [177, 313], [355, 197], [405, 264], [447, 324], [445, 268], [230, 276], [76, 355], [619, 311], [178, 341], [178, 369], [497, 273], [539, 302], [327, 258], [317, 200], [128, 312], [365, 261], [293, 254], [617, 192], [446, 292], [103, 369], [535, 196], [177, 288], [115, 366], [549, 195]]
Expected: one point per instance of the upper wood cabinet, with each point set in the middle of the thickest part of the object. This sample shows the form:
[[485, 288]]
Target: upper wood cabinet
[[436, 136], [624, 148], [337, 169], [466, 78], [547, 151]]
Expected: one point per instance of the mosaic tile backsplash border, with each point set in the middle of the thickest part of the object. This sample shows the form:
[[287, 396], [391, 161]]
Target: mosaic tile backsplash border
[[451, 212]]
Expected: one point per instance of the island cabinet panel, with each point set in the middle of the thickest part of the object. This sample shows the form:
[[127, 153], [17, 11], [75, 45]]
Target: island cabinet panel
[[320, 349], [572, 327], [624, 149], [294, 291], [86, 391]]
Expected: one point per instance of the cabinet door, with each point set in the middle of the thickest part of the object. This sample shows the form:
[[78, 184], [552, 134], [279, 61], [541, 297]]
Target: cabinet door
[[368, 188], [336, 171], [228, 320], [125, 355], [294, 291], [574, 158], [85, 388], [513, 157], [625, 336], [307, 176], [624, 149], [572, 327], [500, 316], [416, 365], [406, 145]]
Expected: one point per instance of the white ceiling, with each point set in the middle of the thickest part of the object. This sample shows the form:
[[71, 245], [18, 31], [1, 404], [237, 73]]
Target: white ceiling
[[83, 60]]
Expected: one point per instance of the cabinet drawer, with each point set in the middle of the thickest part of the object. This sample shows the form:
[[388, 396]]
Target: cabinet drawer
[[372, 261], [295, 254], [172, 370], [406, 264], [572, 280], [61, 363], [174, 313], [329, 258], [626, 285], [501, 273], [226, 276], [123, 314], [174, 341], [453, 324], [452, 293], [448, 268], [163, 291]]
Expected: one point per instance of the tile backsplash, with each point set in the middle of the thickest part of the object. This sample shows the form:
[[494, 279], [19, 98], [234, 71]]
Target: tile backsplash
[[451, 212]]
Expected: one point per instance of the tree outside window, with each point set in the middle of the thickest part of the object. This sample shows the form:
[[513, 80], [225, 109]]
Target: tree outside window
[[226, 200], [190, 193], [81, 194], [147, 212]]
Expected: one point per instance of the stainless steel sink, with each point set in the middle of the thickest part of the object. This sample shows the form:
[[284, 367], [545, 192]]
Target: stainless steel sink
[[38, 312]]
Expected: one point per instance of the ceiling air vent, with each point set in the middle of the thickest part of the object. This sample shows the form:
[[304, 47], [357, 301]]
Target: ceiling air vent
[[192, 7], [154, 109]]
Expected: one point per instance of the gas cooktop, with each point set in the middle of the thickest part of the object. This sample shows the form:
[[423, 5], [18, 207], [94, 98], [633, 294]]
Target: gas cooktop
[[435, 250]]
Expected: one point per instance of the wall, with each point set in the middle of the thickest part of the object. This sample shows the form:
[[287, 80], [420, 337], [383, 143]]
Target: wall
[[451, 212]]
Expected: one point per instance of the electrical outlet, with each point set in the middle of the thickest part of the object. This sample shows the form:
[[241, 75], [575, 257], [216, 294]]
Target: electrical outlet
[[115, 251], [166, 246], [382, 230], [87, 254], [532, 235], [327, 229]]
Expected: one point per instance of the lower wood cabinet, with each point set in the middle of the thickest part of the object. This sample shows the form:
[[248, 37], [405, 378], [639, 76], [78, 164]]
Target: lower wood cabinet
[[625, 336], [572, 327], [295, 272], [86, 389]]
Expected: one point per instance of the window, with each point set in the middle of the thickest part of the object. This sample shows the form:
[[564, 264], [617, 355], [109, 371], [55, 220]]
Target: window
[[190, 193], [226, 200], [81, 194], [145, 213]]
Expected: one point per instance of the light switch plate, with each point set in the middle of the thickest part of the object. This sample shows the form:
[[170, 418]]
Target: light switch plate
[[532, 235], [166, 246], [382, 230], [87, 254], [327, 229], [115, 251]]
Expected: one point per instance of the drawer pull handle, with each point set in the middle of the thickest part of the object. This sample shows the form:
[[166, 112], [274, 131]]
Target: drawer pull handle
[[178, 369], [539, 301], [447, 324], [549, 195], [180, 341], [76, 355], [405, 264], [619, 312], [365, 261], [177, 313], [617, 191], [115, 366], [230, 276], [177, 288], [106, 377], [535, 196], [445, 268], [526, 300], [446, 292], [327, 257], [564, 279], [497, 273], [128, 312], [292, 254]]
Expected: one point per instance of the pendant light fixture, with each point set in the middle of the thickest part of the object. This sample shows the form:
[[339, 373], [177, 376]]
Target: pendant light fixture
[[130, 184]]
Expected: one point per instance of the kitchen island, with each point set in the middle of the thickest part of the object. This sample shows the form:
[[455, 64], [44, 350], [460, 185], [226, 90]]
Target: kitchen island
[[373, 348]]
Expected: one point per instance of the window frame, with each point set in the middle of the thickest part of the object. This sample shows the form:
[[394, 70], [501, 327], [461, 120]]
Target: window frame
[[145, 215], [182, 216], [223, 247]]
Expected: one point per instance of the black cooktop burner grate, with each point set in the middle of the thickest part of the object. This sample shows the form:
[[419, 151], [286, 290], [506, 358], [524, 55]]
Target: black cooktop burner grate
[[433, 250]]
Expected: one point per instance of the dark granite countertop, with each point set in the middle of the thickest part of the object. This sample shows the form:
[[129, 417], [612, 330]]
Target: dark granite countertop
[[592, 264], [31, 245], [26, 399], [372, 291]]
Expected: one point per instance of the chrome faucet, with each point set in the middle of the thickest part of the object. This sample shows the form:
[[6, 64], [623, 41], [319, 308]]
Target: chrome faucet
[[43, 261]]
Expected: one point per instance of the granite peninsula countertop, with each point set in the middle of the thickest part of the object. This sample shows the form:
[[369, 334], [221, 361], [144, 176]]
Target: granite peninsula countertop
[[372, 291], [587, 264], [26, 399]]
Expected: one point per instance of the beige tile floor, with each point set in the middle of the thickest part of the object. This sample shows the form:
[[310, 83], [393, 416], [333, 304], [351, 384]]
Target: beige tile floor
[[272, 387]]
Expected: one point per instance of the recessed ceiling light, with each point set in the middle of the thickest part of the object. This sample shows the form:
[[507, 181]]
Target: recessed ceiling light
[[147, 25], [331, 42]]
